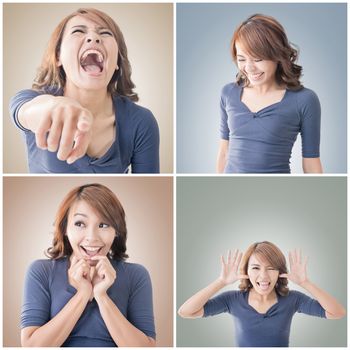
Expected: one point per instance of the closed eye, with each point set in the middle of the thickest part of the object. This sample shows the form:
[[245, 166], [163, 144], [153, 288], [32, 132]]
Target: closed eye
[[77, 31], [106, 33]]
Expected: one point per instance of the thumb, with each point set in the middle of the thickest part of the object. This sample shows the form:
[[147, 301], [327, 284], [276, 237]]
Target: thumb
[[284, 275]]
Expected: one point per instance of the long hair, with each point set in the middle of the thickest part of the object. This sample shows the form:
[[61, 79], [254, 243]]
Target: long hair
[[106, 204], [273, 255], [264, 38], [50, 75]]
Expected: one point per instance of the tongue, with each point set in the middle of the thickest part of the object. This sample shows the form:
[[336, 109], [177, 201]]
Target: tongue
[[92, 68], [90, 253]]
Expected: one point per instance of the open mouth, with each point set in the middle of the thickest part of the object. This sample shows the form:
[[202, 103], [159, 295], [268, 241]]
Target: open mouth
[[92, 61], [91, 251], [256, 76], [263, 285]]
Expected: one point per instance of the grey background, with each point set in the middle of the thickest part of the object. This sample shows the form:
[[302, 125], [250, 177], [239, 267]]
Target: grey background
[[204, 66], [217, 214]]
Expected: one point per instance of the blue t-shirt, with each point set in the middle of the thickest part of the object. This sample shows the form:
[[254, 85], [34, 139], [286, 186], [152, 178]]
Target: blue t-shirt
[[136, 141], [262, 142], [270, 329], [47, 291]]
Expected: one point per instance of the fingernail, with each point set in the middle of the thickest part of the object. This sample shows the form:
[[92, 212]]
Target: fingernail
[[71, 160]]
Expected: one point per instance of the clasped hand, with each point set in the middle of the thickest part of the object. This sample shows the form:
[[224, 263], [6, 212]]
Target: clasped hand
[[94, 280]]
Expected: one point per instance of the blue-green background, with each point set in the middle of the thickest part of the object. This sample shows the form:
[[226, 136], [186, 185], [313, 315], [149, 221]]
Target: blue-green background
[[204, 66]]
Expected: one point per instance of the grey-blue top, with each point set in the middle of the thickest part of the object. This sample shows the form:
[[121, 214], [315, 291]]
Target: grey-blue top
[[270, 329], [262, 142], [47, 291], [136, 141]]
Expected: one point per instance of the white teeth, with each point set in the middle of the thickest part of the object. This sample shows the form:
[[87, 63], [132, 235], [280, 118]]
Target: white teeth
[[92, 51], [92, 249]]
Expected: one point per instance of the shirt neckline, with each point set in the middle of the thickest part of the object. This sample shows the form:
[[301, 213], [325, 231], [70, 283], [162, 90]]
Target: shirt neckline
[[241, 88], [268, 310]]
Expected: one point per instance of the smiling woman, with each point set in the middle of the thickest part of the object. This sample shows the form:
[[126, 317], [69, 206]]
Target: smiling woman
[[263, 307], [80, 116], [263, 112], [86, 294]]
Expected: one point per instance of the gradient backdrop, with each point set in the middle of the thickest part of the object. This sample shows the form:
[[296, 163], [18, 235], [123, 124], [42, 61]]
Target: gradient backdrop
[[204, 66], [214, 215], [30, 205], [148, 32]]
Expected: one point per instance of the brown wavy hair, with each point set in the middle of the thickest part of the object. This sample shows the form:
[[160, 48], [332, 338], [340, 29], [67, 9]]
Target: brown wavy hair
[[106, 204], [273, 255], [50, 75], [264, 38]]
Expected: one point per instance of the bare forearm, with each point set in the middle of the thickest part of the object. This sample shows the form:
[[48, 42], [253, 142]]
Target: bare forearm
[[329, 303], [56, 331], [194, 305], [120, 329], [312, 166]]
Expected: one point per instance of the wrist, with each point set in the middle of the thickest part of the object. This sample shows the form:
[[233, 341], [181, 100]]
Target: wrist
[[304, 283], [100, 296], [221, 282], [84, 294]]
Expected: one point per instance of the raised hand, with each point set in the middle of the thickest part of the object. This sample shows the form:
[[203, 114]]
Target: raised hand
[[297, 264], [79, 275], [104, 276], [230, 269]]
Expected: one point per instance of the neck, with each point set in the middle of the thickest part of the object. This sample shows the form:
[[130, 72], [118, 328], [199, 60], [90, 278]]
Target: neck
[[98, 102], [263, 298], [266, 88]]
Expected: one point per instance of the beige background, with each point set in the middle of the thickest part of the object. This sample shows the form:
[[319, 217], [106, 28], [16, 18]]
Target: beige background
[[148, 32], [30, 205]]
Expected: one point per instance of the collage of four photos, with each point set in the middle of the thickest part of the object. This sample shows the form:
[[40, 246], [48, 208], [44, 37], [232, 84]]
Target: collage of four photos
[[175, 174]]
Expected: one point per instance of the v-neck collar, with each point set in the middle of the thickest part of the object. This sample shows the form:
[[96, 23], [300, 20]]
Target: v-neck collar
[[255, 310], [240, 92]]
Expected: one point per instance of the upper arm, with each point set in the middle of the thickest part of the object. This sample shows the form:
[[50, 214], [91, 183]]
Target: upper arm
[[310, 111], [140, 304], [145, 158], [36, 299], [224, 129]]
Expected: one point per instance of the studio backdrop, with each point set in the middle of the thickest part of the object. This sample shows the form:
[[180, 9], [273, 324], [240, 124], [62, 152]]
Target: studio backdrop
[[214, 215], [30, 206], [204, 65]]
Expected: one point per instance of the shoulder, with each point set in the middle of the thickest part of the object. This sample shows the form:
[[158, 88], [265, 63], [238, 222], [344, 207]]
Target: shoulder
[[41, 271], [135, 272], [229, 88], [233, 295], [294, 296], [134, 110], [306, 97]]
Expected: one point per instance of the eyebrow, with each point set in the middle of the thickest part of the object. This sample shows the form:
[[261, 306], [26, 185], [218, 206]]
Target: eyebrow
[[76, 214]]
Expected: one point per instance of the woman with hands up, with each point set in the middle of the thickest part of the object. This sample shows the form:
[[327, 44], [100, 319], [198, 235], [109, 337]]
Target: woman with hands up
[[86, 294], [263, 307]]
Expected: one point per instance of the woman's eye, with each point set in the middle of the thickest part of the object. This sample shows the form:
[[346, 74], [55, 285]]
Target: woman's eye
[[79, 224], [77, 31], [106, 33], [241, 60], [257, 60], [255, 268], [102, 225]]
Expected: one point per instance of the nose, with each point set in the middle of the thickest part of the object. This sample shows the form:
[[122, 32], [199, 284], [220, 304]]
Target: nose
[[93, 37], [91, 234], [250, 67], [263, 273]]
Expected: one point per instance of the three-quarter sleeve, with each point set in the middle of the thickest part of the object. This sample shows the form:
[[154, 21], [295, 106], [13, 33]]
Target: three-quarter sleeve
[[306, 305], [224, 130], [220, 303], [36, 300], [310, 112], [140, 303], [145, 158]]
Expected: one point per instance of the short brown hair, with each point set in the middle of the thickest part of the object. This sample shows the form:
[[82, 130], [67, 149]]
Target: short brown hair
[[106, 204], [50, 75], [264, 37], [273, 255]]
